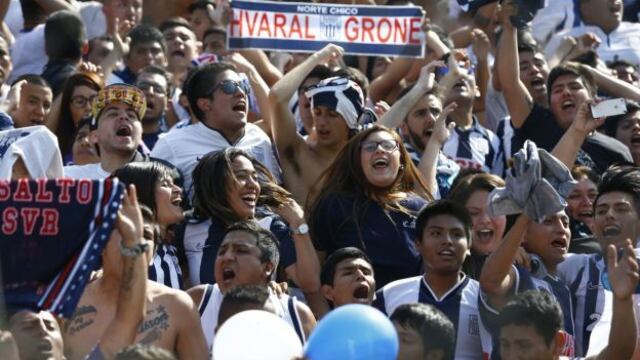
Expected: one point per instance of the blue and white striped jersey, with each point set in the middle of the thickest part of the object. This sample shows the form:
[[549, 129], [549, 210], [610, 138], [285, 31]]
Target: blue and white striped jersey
[[505, 133], [542, 282], [593, 303], [459, 304], [475, 147], [165, 268]]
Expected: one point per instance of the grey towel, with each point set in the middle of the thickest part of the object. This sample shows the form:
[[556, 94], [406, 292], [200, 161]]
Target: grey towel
[[536, 184]]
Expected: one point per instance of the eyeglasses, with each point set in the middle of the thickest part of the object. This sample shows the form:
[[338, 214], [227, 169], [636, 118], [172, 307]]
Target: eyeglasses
[[230, 87], [157, 88], [385, 145], [80, 101]]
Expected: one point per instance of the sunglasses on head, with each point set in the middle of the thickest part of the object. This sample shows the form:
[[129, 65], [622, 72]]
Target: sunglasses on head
[[230, 87], [386, 145]]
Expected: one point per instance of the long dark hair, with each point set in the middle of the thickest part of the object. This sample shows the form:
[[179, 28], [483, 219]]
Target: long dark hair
[[66, 128], [145, 176], [213, 176], [345, 175]]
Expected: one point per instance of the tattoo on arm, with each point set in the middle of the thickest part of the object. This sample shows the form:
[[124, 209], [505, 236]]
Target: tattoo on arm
[[127, 279], [82, 317], [154, 324]]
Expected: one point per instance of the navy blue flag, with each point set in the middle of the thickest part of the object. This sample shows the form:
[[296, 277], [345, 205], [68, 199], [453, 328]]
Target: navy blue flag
[[52, 233]]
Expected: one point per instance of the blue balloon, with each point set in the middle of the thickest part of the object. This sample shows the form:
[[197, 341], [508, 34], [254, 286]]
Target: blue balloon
[[353, 332]]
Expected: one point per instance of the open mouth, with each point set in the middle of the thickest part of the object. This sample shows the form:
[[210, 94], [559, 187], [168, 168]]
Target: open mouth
[[538, 84], [45, 347], [380, 163], [322, 132], [460, 85], [177, 201], [484, 235], [586, 214], [228, 274], [250, 199], [447, 254], [635, 139], [611, 231], [123, 131], [559, 243], [361, 293], [568, 105], [176, 53], [241, 106]]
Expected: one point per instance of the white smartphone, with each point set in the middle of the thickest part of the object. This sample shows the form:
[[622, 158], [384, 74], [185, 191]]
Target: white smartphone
[[608, 108]]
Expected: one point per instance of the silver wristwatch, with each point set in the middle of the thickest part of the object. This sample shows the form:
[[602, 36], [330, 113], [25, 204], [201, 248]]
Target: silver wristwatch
[[135, 250], [303, 229]]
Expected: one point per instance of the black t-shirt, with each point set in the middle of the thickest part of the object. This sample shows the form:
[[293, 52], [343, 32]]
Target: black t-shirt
[[540, 127], [605, 151]]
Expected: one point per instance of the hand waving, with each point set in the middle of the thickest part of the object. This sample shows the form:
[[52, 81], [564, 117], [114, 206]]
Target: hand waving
[[129, 222], [442, 130], [623, 273]]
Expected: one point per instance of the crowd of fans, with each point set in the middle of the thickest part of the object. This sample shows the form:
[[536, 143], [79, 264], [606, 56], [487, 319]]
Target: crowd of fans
[[469, 195]]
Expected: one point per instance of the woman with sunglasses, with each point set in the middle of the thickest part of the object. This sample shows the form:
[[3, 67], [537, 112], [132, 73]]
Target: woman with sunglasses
[[74, 105], [369, 198], [230, 185]]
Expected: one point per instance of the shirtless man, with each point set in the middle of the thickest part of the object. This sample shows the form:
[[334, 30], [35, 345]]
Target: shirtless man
[[170, 322], [248, 255], [335, 117]]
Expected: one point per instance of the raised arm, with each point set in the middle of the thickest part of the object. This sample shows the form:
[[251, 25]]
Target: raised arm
[[623, 277], [481, 46], [394, 116], [265, 68], [306, 271], [383, 84], [429, 160], [498, 277], [612, 85], [130, 310], [51, 6], [284, 126], [519, 101], [567, 148], [120, 50]]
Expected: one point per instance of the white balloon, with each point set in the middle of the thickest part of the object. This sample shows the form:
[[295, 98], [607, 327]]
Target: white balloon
[[256, 335]]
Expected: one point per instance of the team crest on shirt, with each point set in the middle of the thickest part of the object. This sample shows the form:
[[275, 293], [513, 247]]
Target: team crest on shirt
[[474, 325], [409, 224]]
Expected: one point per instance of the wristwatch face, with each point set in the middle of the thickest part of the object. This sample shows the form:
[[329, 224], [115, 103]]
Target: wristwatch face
[[303, 229]]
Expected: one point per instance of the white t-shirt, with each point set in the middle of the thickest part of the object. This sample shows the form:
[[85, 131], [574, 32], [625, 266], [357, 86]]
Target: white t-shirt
[[622, 43], [89, 171], [94, 20], [184, 147], [555, 16], [27, 52], [36, 146]]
